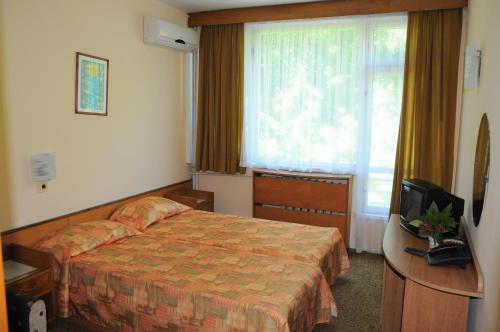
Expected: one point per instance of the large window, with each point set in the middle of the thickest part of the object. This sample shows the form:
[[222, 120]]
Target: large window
[[325, 95]]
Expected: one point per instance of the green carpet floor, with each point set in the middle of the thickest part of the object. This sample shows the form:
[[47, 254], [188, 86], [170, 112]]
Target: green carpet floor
[[358, 297]]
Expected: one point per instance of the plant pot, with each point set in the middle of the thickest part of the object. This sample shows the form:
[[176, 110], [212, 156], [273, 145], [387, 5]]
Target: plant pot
[[432, 243]]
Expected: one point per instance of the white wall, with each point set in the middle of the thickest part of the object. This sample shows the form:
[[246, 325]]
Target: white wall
[[4, 190], [484, 31], [138, 147], [233, 193]]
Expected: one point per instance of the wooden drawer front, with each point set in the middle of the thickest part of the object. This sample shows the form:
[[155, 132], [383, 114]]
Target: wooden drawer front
[[300, 194], [206, 206], [306, 218], [197, 203], [35, 285], [186, 200]]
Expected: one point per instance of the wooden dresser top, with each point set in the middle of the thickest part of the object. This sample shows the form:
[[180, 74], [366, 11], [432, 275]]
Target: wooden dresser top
[[450, 279], [303, 174]]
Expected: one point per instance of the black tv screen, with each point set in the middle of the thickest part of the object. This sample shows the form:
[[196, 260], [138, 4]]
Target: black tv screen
[[412, 203]]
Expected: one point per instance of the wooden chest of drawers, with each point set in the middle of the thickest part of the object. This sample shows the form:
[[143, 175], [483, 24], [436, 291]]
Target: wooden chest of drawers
[[305, 198], [39, 283], [197, 199]]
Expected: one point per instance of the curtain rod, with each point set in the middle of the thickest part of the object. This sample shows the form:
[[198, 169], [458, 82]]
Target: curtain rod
[[318, 10]]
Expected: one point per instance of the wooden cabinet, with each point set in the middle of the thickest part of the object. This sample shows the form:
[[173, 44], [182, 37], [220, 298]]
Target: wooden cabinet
[[197, 199], [420, 297], [305, 198], [39, 282], [35, 285]]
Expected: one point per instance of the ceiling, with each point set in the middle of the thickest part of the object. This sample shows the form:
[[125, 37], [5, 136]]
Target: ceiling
[[193, 6]]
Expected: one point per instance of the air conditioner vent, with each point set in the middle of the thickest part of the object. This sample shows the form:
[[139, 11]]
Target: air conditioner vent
[[162, 33]]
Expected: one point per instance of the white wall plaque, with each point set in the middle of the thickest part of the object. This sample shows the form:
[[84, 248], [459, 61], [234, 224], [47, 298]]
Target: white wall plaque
[[43, 167], [472, 68]]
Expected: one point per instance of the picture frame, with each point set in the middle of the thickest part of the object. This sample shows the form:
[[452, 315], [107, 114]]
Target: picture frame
[[91, 88]]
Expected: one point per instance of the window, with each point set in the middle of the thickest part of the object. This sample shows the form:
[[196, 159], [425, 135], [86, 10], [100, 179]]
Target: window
[[325, 95]]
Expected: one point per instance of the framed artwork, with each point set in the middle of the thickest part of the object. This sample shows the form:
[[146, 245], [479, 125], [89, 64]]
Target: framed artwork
[[91, 85]]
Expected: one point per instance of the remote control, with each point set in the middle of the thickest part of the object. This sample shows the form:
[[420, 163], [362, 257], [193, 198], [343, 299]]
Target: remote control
[[416, 251]]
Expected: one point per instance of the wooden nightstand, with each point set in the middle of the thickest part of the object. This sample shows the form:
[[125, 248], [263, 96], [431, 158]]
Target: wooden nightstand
[[197, 199], [38, 283]]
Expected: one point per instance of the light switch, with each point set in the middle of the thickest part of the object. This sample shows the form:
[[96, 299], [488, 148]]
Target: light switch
[[42, 187]]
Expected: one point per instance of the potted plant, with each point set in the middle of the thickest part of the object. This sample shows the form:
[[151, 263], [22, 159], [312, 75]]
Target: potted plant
[[435, 223]]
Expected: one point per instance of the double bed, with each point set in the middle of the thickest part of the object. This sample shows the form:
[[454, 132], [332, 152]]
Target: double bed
[[196, 270]]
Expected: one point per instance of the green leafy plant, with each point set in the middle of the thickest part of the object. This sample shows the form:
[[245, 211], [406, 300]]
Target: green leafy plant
[[435, 222]]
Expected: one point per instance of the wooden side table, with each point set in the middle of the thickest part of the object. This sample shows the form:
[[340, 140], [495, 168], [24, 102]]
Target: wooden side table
[[38, 283], [197, 199]]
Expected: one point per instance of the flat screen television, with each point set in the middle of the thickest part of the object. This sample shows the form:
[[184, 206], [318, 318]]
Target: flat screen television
[[417, 196]]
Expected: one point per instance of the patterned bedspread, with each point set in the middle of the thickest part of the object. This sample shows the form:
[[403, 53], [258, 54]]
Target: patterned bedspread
[[320, 246], [146, 283]]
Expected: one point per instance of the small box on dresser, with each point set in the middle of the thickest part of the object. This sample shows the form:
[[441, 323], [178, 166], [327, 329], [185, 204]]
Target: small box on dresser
[[197, 199]]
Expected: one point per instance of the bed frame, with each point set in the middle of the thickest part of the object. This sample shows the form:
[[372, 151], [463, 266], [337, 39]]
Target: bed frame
[[29, 235]]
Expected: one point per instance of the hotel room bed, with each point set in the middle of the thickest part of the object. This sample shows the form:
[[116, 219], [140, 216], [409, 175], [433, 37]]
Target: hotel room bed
[[143, 283], [320, 246], [161, 266]]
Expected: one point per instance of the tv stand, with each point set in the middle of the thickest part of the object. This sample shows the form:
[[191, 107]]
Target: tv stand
[[420, 297]]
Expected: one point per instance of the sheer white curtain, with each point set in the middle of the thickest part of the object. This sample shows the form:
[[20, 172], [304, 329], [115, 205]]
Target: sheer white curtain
[[325, 95]]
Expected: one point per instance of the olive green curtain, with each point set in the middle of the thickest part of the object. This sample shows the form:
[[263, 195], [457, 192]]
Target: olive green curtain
[[427, 129], [220, 99]]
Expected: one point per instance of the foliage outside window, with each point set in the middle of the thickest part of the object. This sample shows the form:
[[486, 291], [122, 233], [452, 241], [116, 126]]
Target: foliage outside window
[[325, 95]]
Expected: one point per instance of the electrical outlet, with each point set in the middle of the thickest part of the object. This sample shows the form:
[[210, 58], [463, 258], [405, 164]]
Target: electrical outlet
[[42, 187]]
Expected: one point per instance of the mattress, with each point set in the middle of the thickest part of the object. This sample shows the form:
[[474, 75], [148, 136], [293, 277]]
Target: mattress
[[320, 246]]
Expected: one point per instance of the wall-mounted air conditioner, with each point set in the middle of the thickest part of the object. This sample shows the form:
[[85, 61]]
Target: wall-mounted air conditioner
[[166, 34]]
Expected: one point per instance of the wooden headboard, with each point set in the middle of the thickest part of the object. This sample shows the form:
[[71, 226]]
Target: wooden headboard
[[29, 235]]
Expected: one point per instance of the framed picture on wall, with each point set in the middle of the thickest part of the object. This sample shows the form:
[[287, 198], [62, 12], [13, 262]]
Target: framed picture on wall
[[91, 84]]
